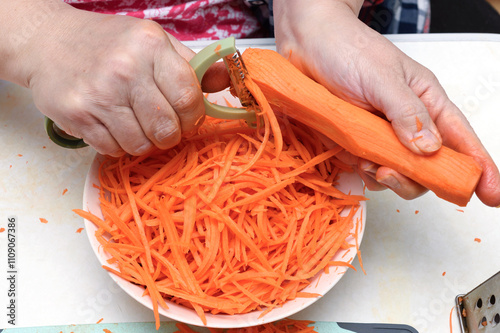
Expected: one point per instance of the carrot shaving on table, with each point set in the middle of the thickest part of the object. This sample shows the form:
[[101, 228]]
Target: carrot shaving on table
[[477, 240], [451, 319], [231, 220], [79, 230], [2, 229], [43, 220], [64, 191]]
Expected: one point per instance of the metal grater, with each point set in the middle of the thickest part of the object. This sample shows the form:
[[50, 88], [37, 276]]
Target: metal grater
[[479, 310]]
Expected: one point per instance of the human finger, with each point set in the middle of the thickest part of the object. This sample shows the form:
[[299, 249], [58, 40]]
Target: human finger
[[458, 134], [177, 82], [380, 178], [409, 116], [216, 77]]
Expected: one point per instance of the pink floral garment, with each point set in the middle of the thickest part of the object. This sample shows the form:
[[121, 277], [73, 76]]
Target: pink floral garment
[[186, 20]]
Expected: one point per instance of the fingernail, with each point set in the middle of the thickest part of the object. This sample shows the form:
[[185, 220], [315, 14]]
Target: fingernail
[[389, 181], [426, 141], [368, 167], [144, 148]]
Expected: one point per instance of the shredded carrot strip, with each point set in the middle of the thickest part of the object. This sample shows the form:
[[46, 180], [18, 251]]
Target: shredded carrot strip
[[416, 138], [231, 220], [217, 49], [419, 124], [451, 319]]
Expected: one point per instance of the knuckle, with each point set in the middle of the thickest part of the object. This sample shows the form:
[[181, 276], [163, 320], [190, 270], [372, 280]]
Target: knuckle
[[139, 148], [121, 65], [167, 135], [408, 114], [427, 74], [75, 110], [73, 100], [410, 110], [150, 33], [109, 150], [96, 137], [186, 102]]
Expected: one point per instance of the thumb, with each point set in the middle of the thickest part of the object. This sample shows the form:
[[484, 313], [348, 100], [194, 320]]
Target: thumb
[[410, 119]]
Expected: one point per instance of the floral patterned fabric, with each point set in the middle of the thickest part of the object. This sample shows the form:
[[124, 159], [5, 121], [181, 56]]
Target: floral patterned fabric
[[217, 19], [186, 20]]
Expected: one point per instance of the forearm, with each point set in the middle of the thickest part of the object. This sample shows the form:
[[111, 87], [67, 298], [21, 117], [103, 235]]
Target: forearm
[[22, 23], [299, 24], [353, 6]]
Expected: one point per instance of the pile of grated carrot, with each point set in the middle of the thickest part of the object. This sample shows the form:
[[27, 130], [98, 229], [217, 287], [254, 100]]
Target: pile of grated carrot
[[232, 220]]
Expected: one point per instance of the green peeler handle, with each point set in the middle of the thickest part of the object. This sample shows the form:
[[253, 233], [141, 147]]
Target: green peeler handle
[[200, 63], [60, 137]]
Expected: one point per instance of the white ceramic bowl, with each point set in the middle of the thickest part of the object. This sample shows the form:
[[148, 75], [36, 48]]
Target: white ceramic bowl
[[319, 284]]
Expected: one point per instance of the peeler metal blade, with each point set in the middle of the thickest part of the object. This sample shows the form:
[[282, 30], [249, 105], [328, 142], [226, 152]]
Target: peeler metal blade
[[237, 72]]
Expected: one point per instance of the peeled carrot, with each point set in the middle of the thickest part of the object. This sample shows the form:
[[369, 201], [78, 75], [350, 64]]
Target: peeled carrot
[[450, 175], [209, 226]]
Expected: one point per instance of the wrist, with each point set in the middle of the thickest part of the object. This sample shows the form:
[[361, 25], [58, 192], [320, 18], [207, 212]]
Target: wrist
[[299, 23], [24, 23]]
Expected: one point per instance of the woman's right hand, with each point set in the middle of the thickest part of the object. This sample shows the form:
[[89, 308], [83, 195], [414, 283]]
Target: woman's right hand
[[120, 83]]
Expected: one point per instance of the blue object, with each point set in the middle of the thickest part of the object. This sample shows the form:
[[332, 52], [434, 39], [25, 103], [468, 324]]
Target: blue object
[[169, 327]]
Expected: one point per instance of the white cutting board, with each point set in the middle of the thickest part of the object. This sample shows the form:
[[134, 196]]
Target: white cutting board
[[405, 253]]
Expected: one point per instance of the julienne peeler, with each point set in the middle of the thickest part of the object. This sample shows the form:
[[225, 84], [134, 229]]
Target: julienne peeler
[[169, 327], [223, 49]]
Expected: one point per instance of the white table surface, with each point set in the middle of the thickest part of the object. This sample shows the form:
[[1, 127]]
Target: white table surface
[[405, 253]]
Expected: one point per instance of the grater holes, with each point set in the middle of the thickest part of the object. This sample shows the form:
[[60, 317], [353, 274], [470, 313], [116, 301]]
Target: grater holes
[[483, 323], [496, 320], [479, 303], [492, 300]]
